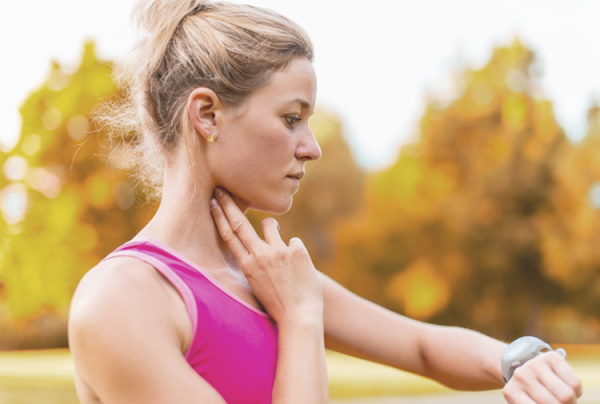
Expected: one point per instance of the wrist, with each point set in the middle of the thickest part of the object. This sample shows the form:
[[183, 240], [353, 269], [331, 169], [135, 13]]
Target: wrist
[[302, 322], [520, 351]]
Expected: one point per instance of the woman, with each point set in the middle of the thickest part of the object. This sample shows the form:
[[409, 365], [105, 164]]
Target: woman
[[198, 308]]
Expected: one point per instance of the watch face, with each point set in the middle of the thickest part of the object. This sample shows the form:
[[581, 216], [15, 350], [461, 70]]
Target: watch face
[[520, 351]]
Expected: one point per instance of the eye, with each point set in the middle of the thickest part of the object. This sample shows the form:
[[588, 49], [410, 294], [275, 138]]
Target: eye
[[290, 120]]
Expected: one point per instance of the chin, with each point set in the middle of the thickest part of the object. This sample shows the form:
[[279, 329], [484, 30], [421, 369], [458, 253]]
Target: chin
[[277, 208]]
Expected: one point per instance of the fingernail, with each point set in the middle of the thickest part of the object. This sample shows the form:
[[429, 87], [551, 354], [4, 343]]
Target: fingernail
[[218, 192], [276, 223], [213, 203]]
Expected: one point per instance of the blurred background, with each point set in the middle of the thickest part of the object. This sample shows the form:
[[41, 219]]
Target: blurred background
[[459, 183]]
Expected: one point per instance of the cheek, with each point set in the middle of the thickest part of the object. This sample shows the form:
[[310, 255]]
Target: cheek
[[267, 144], [275, 152], [263, 151]]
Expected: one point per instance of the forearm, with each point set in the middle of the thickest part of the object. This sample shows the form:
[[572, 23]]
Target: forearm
[[462, 359], [301, 368], [456, 357]]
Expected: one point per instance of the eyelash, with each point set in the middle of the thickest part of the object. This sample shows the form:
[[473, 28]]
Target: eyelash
[[290, 120]]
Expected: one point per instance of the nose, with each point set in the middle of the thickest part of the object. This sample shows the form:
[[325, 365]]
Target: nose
[[309, 148]]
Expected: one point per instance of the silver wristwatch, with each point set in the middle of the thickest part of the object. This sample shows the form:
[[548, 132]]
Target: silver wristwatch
[[520, 351]]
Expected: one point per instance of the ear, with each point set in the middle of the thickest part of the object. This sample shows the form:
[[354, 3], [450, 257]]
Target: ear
[[203, 104]]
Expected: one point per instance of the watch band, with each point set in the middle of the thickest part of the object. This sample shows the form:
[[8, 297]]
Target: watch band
[[520, 351]]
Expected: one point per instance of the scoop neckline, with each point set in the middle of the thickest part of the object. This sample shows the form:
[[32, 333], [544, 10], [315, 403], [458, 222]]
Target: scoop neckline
[[201, 270]]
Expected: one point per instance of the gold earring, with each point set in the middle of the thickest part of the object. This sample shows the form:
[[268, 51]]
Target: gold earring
[[211, 138]]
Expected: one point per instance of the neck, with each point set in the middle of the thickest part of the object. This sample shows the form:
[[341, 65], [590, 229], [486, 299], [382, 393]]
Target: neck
[[184, 222]]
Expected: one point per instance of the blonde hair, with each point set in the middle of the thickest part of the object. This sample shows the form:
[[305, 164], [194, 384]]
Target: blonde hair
[[231, 49]]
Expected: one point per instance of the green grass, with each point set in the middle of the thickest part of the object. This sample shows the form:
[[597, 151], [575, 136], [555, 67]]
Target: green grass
[[28, 377]]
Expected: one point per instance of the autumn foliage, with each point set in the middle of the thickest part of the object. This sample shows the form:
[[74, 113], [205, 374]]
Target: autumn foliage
[[66, 202], [485, 221], [488, 220]]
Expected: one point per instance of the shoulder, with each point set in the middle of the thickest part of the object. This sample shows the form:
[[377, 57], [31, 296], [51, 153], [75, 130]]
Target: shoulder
[[123, 321], [118, 281], [119, 297], [117, 304]]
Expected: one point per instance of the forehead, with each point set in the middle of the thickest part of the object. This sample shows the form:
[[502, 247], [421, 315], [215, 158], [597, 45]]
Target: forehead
[[296, 84]]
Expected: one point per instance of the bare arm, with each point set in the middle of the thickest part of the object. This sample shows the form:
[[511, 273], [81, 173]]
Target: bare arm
[[459, 358], [284, 280], [361, 328], [124, 342]]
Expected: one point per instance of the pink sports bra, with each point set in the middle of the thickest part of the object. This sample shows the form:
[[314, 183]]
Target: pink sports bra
[[234, 347]]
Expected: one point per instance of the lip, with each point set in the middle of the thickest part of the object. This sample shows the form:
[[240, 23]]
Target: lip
[[295, 178], [298, 176]]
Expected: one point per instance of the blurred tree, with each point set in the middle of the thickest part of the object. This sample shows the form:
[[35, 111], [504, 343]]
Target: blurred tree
[[462, 229], [576, 252], [65, 201], [489, 220]]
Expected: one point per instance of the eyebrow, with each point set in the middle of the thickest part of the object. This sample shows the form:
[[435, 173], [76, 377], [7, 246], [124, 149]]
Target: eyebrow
[[303, 103]]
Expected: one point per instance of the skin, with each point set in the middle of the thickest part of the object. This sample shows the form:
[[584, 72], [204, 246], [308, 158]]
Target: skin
[[257, 161]]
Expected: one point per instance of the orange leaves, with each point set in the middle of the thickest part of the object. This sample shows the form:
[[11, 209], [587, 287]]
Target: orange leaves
[[514, 111], [488, 208], [64, 205], [419, 289], [98, 191]]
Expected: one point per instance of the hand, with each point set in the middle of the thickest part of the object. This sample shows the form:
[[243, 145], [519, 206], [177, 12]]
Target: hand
[[545, 379], [282, 277]]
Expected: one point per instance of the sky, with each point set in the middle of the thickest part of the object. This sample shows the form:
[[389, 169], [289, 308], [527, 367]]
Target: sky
[[375, 60]]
